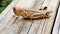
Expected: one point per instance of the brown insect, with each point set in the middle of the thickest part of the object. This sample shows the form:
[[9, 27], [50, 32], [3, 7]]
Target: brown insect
[[31, 13]]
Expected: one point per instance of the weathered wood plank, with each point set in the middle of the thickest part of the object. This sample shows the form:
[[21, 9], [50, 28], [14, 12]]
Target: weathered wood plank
[[27, 27], [10, 23], [4, 30], [22, 26], [33, 28], [49, 22], [37, 24], [5, 20], [26, 3], [57, 23], [38, 4], [41, 27], [46, 3], [28, 24], [6, 15]]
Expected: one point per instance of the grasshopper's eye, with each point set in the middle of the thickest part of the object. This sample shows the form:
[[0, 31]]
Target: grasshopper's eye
[[14, 10]]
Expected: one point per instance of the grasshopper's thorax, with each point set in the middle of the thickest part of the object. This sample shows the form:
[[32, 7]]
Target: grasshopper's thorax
[[19, 11]]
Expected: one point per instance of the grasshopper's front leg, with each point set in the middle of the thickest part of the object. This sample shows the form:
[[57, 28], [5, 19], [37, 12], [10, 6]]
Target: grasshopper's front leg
[[15, 16]]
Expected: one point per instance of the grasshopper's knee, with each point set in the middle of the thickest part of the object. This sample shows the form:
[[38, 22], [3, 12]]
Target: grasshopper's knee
[[43, 8]]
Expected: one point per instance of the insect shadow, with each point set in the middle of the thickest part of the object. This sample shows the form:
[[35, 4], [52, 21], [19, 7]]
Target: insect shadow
[[34, 18]]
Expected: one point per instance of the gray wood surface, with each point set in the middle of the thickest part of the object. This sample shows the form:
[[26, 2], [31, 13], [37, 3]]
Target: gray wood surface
[[22, 26], [56, 29]]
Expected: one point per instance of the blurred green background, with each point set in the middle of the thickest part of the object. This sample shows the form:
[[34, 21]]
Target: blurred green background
[[4, 4]]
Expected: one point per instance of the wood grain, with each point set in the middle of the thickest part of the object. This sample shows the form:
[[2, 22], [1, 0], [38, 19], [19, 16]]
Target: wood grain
[[23, 26]]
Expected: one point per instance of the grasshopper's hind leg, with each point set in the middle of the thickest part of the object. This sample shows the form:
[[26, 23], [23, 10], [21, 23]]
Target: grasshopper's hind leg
[[31, 17]]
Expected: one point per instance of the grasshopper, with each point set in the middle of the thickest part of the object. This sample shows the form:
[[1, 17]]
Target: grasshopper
[[31, 13]]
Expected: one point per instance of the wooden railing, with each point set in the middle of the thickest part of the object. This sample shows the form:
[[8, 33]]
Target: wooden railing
[[22, 26]]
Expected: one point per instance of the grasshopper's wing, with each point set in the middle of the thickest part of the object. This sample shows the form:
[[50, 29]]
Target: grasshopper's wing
[[37, 11], [39, 14], [31, 11]]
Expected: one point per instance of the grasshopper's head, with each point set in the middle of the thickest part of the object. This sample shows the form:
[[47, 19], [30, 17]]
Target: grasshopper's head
[[18, 11]]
